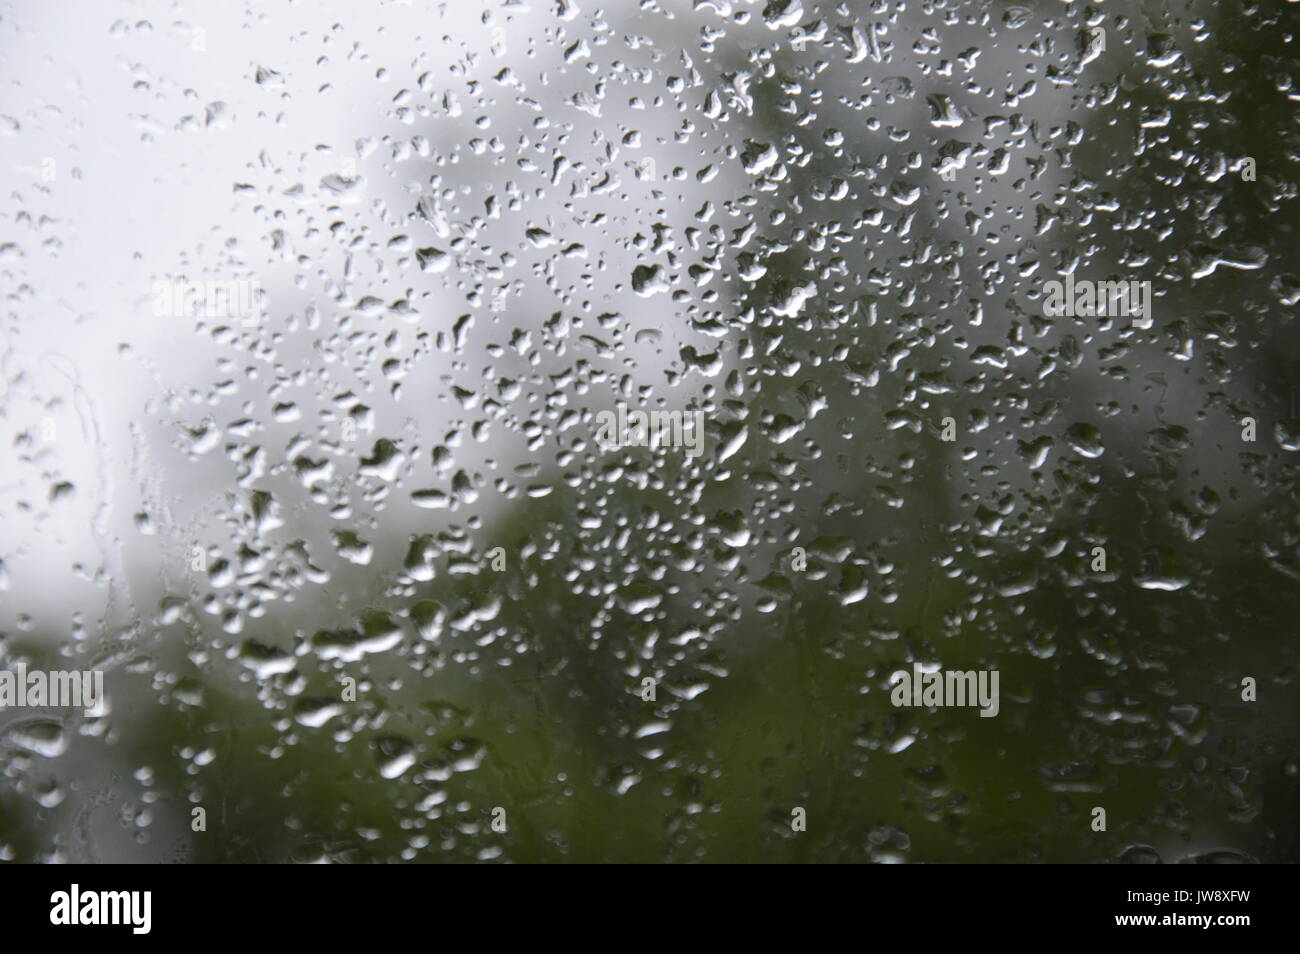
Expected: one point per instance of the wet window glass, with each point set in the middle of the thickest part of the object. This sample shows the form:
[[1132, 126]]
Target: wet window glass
[[551, 431]]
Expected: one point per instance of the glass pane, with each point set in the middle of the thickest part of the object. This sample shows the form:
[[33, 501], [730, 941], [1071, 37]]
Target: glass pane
[[545, 431]]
